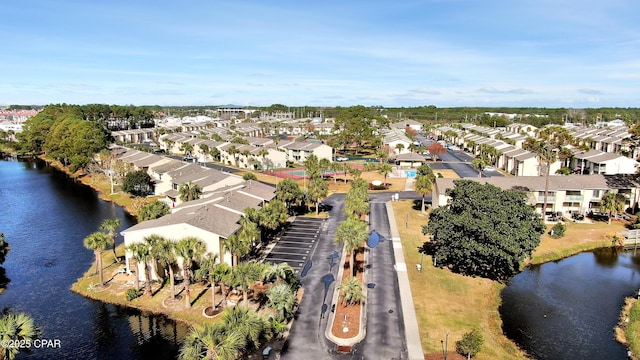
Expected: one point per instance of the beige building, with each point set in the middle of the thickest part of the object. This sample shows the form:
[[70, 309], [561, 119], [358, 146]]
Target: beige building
[[211, 220], [571, 193]]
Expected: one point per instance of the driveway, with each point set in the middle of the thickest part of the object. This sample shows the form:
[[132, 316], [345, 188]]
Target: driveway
[[385, 328]]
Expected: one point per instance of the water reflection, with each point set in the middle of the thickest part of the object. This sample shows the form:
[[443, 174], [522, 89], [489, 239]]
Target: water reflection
[[45, 217], [568, 309]]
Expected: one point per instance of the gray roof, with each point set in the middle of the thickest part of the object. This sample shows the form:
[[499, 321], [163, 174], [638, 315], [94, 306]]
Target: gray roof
[[208, 217], [536, 183]]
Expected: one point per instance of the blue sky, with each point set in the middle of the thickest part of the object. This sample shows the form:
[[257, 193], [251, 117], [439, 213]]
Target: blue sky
[[448, 53]]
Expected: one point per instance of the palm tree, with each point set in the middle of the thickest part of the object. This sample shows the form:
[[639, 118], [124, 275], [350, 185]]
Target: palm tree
[[141, 254], [385, 169], [551, 140], [351, 233], [190, 191], [207, 271], [190, 249], [368, 167], [233, 151], [109, 226], [215, 153], [204, 150], [98, 242], [16, 328], [4, 248], [480, 163], [612, 203], [336, 167], [186, 148], [351, 291], [399, 147], [246, 321], [357, 200], [282, 299], [245, 275], [238, 246], [424, 185], [154, 241], [164, 252], [213, 341], [283, 272]]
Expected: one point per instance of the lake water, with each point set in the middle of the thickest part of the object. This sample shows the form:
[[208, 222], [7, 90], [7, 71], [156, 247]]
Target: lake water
[[569, 308], [45, 217]]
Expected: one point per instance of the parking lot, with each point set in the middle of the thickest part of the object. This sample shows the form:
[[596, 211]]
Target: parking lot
[[296, 245]]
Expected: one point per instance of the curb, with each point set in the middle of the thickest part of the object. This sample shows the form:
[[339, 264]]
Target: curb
[[363, 307], [412, 331]]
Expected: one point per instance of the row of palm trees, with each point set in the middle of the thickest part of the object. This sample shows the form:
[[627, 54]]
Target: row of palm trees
[[352, 233]]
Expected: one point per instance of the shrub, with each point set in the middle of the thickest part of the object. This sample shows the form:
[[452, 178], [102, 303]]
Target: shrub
[[558, 230], [470, 344], [132, 294], [249, 176]]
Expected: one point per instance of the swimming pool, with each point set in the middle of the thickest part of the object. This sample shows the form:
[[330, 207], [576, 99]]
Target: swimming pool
[[411, 173]]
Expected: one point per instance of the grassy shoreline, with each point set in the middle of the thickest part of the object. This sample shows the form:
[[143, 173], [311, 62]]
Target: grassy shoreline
[[451, 303]]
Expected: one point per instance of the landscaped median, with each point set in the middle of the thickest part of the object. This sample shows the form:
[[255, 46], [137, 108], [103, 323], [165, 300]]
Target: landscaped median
[[449, 305], [346, 325]]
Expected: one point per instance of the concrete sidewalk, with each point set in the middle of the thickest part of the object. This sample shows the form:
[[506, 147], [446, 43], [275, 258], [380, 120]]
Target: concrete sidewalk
[[412, 333]]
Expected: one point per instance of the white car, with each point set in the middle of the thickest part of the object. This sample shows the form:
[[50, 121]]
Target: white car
[[489, 168], [341, 158]]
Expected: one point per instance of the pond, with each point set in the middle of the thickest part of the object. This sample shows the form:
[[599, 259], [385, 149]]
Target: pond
[[568, 309], [45, 217]]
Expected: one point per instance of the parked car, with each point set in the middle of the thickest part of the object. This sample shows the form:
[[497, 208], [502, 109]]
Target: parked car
[[189, 158], [489, 168], [341, 158]]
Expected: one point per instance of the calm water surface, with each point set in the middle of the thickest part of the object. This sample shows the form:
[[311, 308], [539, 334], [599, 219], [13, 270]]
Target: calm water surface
[[45, 217], [568, 309]]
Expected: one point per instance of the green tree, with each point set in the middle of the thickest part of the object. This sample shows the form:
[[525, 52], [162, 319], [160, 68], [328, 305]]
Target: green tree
[[385, 169], [212, 341], [282, 272], [248, 323], [189, 191], [470, 344], [356, 202], [351, 233], [245, 275], [612, 203], [550, 141], [483, 231], [110, 226], [186, 148], [16, 328], [138, 183], [141, 253], [351, 291], [318, 190], [238, 246], [154, 210], [164, 251], [480, 163], [354, 126], [424, 182], [190, 249], [288, 191], [282, 299], [4, 248], [207, 270], [98, 242]]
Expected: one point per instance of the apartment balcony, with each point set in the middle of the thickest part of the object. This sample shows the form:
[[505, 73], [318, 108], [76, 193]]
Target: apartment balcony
[[574, 197]]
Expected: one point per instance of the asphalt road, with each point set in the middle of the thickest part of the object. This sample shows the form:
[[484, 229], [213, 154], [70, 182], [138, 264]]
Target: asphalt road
[[458, 161], [385, 337]]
